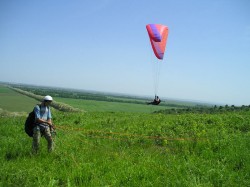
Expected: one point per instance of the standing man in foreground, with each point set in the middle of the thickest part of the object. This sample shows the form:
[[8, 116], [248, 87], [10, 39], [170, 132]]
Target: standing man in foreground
[[43, 124]]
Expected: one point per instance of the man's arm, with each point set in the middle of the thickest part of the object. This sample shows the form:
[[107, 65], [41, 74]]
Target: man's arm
[[49, 121]]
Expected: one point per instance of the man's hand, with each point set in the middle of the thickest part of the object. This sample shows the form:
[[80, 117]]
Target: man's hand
[[53, 126], [44, 121], [49, 122]]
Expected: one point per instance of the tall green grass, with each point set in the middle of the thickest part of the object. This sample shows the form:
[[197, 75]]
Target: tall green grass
[[130, 149]]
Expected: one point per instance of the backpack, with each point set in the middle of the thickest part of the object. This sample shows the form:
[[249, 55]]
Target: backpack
[[30, 123]]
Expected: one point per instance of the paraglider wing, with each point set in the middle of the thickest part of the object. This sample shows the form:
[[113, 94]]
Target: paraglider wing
[[158, 35]]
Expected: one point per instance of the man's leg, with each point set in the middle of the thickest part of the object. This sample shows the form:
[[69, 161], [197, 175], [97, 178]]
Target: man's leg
[[49, 139], [36, 139]]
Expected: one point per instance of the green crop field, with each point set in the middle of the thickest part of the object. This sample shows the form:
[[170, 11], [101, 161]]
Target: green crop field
[[102, 148], [15, 102], [105, 106]]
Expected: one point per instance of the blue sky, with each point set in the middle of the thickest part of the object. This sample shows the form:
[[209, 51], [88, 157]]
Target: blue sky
[[103, 45]]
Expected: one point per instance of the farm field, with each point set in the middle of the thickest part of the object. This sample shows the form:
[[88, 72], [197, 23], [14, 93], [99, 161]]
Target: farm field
[[105, 106], [15, 102], [109, 98], [108, 148]]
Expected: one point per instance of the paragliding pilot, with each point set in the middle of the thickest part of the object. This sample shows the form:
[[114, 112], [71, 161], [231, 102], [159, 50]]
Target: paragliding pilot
[[156, 101]]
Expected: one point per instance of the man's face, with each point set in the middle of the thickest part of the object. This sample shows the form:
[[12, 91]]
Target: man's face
[[47, 103]]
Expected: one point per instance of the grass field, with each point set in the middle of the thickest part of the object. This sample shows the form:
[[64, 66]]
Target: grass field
[[129, 149], [104, 106], [15, 102]]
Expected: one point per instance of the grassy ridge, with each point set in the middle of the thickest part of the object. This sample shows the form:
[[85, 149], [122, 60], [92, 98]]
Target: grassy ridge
[[55, 104], [99, 149]]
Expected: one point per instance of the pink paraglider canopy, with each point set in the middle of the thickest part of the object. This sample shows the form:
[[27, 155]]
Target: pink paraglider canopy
[[158, 35]]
